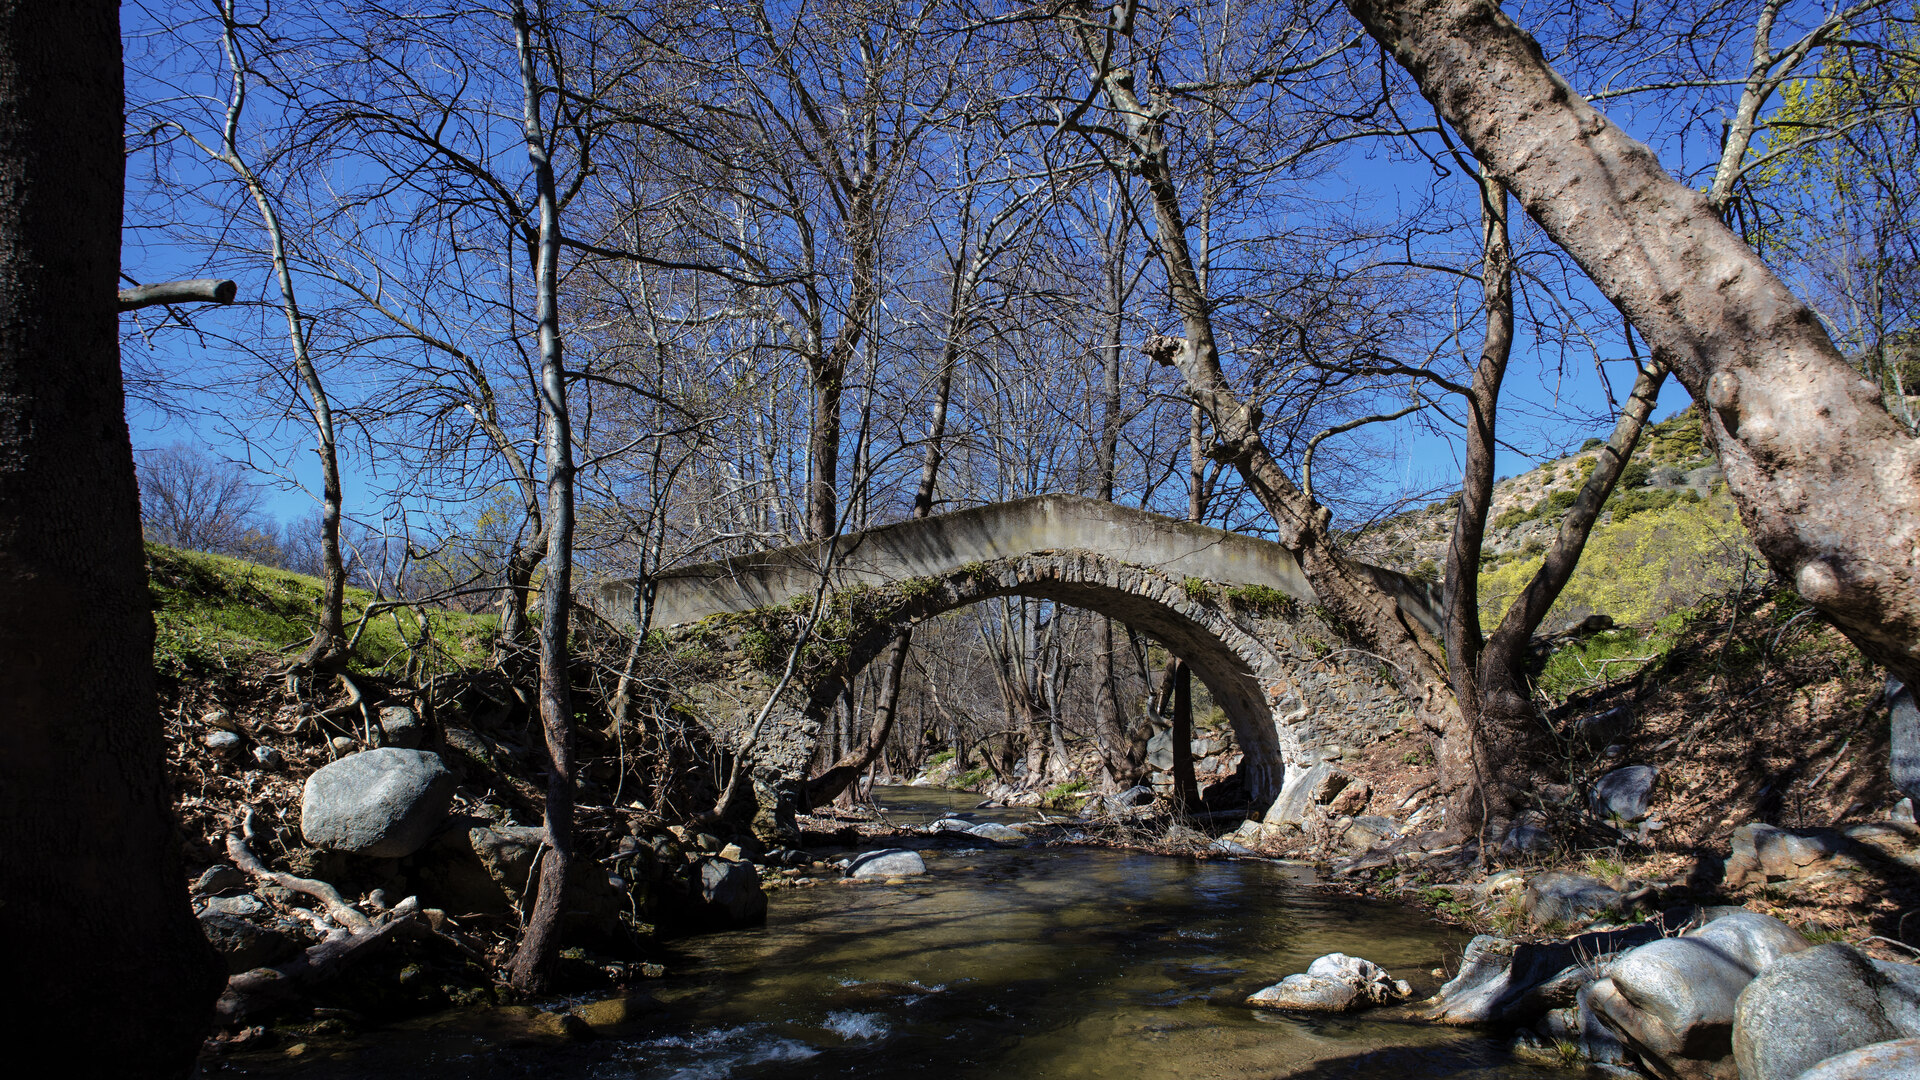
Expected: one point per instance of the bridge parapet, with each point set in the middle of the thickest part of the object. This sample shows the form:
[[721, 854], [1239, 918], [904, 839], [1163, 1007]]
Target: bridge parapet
[[941, 545]]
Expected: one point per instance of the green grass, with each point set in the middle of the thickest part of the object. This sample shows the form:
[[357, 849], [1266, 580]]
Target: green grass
[[972, 778], [1067, 796], [940, 759], [211, 613]]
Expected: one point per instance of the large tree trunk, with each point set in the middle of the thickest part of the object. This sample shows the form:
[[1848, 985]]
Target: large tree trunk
[[532, 964], [1827, 481], [121, 979]]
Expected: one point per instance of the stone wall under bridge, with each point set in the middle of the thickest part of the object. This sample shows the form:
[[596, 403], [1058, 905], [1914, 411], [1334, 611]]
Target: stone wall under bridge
[[1235, 608]]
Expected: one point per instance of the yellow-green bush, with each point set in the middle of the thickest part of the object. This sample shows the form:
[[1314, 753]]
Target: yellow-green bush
[[1637, 571]]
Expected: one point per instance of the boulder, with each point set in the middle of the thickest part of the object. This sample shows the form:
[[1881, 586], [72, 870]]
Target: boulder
[[1352, 799], [727, 894], [1526, 839], [886, 863], [401, 727], [243, 945], [482, 867], [1624, 795], [382, 803], [1565, 898], [1896, 1060], [1672, 1001], [1820, 1003], [1368, 831], [1335, 982], [998, 833], [1903, 749], [1507, 983], [1763, 853], [1160, 751], [1134, 797], [1296, 794], [219, 879]]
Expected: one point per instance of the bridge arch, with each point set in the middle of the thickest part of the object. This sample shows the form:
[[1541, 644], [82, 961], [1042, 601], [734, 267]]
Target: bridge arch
[[1248, 681], [1172, 579]]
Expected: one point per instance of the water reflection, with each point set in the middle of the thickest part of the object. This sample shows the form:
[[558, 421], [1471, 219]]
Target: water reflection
[[1055, 963]]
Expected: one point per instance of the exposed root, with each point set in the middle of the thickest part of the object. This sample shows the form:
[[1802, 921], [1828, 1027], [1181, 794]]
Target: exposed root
[[252, 993]]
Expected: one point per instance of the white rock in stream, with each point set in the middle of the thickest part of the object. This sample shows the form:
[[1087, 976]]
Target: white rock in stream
[[1335, 982], [887, 863], [993, 830]]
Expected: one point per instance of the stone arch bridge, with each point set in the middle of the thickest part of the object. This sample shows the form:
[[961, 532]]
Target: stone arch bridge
[[1236, 608]]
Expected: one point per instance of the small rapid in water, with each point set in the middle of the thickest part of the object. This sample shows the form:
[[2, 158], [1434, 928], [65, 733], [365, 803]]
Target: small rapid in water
[[1048, 963]]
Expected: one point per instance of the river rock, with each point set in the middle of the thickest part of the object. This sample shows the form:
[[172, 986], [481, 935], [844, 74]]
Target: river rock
[[1507, 983], [224, 743], [1672, 1000], [1131, 799], [1896, 1060], [1820, 1003], [219, 879], [1335, 982], [1624, 795], [401, 727], [1160, 751], [1763, 853], [1565, 898], [1903, 749], [242, 906], [383, 803], [729, 894], [951, 824], [886, 863], [1365, 832], [993, 830], [1296, 794], [243, 945]]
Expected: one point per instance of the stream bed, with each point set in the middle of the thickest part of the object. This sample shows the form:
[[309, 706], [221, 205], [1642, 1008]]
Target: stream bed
[[1058, 963]]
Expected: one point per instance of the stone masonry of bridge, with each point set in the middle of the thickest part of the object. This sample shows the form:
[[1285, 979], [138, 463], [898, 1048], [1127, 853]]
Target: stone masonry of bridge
[[1236, 608]]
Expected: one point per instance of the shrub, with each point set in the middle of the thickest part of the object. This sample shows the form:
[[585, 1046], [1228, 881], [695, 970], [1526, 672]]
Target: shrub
[[1635, 475], [1260, 600], [1197, 589], [972, 778], [1592, 444]]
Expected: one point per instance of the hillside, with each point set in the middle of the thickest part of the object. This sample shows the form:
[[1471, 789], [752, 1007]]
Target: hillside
[[1668, 537]]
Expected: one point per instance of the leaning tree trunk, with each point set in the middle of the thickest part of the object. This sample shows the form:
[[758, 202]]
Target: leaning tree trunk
[[121, 979], [1345, 591], [1824, 476], [532, 964]]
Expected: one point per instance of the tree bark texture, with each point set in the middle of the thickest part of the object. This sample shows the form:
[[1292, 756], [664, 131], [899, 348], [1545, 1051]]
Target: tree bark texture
[[1827, 481], [92, 877]]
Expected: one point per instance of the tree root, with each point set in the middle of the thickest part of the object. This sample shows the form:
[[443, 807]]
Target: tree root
[[263, 990]]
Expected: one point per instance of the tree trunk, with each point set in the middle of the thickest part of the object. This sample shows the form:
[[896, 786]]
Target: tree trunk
[[328, 651], [1186, 790], [1360, 607], [532, 964], [1823, 474], [121, 978]]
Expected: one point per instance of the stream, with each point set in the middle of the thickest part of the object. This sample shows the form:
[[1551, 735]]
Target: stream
[[1058, 963]]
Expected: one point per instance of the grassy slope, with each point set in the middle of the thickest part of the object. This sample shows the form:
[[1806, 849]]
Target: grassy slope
[[212, 613]]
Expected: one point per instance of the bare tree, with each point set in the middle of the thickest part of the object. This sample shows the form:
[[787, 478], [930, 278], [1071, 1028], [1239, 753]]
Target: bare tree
[[192, 500]]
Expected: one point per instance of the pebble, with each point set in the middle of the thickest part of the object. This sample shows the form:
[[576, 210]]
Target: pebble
[[224, 743]]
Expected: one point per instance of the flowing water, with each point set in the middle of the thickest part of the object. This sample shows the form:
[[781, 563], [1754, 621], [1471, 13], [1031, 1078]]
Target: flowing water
[[1055, 963]]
